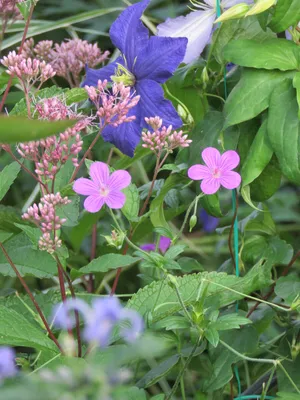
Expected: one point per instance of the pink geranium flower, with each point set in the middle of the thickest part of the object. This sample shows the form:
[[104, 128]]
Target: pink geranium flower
[[217, 171], [102, 188]]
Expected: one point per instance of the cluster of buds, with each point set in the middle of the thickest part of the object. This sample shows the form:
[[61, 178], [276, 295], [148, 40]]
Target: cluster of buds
[[44, 215], [112, 105], [162, 137], [67, 59], [50, 154], [9, 9], [29, 71]]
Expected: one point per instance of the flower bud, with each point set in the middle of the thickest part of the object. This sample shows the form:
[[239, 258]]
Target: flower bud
[[234, 12], [193, 222], [116, 239], [260, 6], [172, 281]]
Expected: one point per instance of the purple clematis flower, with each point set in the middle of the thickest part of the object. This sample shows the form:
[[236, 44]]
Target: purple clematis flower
[[103, 188], [145, 63], [7, 363], [197, 26], [164, 244]]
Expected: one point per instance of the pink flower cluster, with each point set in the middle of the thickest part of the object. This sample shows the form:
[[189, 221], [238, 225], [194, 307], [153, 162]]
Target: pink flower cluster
[[162, 137], [9, 9], [112, 107], [29, 71], [44, 215], [51, 153], [67, 59]]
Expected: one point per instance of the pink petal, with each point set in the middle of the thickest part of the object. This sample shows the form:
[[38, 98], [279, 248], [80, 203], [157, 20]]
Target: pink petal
[[99, 172], [210, 186], [198, 172], [119, 180], [211, 157], [85, 186], [230, 179], [164, 244], [93, 203], [229, 160], [115, 199]]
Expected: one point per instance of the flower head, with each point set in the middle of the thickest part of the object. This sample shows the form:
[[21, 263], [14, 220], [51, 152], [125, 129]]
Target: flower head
[[144, 64], [102, 188], [7, 363], [217, 171], [196, 26], [164, 244]]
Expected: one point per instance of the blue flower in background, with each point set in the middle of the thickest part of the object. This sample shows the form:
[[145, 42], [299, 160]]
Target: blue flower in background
[[145, 63], [7, 363], [209, 223]]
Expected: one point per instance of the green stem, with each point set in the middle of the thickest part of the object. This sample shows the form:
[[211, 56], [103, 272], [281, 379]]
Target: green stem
[[187, 215], [259, 360]]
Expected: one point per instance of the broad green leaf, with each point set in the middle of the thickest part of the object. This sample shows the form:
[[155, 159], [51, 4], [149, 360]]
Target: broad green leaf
[[21, 129], [287, 396], [8, 217], [287, 13], [258, 157], [27, 260], [70, 211], [252, 94], [7, 177], [212, 336], [296, 85], [229, 321], [288, 288], [75, 96], [15, 330], [244, 28], [34, 234], [132, 393], [279, 54], [107, 262], [124, 161], [4, 78], [62, 23], [211, 204], [132, 204], [188, 264], [158, 372], [161, 300], [284, 129]]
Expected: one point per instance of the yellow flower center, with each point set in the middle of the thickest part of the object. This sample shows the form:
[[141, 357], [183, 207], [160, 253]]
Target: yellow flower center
[[123, 75]]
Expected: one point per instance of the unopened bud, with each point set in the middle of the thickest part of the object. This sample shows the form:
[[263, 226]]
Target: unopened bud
[[205, 77], [172, 281], [237, 11], [193, 222], [260, 6]]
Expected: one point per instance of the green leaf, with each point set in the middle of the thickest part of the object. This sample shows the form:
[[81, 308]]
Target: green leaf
[[34, 234], [75, 96], [70, 211], [7, 177], [287, 13], [158, 372], [15, 330], [21, 129], [244, 103], [284, 130], [188, 264], [229, 321], [132, 393], [132, 204], [279, 54], [287, 396], [296, 85], [4, 78], [62, 23], [288, 288], [212, 336], [211, 204], [259, 155], [107, 262], [27, 260], [161, 300], [174, 251]]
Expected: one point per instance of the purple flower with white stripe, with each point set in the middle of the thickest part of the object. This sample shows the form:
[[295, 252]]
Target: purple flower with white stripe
[[8, 367], [144, 64]]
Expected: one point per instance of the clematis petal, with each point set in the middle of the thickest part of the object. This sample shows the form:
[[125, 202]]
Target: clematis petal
[[115, 199], [127, 135], [229, 160], [93, 75], [152, 103], [164, 244], [211, 157], [99, 173], [230, 180], [196, 27], [119, 180], [159, 58], [148, 247], [85, 186], [210, 186], [93, 203], [198, 172], [229, 3], [128, 33]]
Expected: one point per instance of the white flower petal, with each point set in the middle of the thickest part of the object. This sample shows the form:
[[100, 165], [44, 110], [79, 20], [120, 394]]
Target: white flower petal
[[196, 26]]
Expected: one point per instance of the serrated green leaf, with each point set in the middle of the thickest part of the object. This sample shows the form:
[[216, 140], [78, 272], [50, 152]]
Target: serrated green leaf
[[75, 95], [7, 177], [132, 204], [212, 336], [158, 372], [287, 396], [230, 321], [107, 262], [272, 54], [287, 13], [288, 288]]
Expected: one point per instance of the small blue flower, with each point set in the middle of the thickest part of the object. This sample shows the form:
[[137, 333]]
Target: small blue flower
[[209, 223], [7, 363], [145, 63]]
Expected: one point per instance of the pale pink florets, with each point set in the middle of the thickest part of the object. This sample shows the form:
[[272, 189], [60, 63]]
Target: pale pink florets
[[52, 109], [44, 215], [9, 9], [162, 137], [113, 107]]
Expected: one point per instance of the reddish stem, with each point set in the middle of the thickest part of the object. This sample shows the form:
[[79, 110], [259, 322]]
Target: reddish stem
[[24, 284]]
